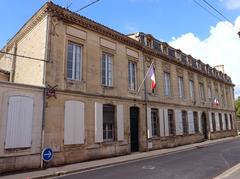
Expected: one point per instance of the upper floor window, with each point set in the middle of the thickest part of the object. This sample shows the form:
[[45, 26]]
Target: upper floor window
[[202, 93], [155, 122], [107, 69], [167, 84], [191, 89], [132, 68], [171, 122], [180, 87], [74, 61], [209, 93]]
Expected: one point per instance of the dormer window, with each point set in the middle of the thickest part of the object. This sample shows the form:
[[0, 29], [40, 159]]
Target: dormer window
[[171, 52]]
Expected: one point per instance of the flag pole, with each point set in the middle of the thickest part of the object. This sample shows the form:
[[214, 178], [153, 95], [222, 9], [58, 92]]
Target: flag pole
[[144, 79]]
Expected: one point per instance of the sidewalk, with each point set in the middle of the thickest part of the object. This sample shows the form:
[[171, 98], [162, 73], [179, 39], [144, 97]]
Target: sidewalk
[[232, 173], [51, 172]]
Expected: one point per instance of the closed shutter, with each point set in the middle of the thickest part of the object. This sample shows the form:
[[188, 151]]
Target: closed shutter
[[190, 122], [223, 121], [178, 120], [229, 122], [149, 124], [210, 121], [217, 122], [74, 123], [161, 122], [120, 123], [98, 122], [200, 121], [166, 122], [19, 122]]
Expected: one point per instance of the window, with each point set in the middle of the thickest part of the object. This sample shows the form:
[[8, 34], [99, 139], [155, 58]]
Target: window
[[191, 89], [132, 75], [195, 120], [19, 122], [180, 87], [155, 122], [231, 121], [108, 122], [202, 93], [184, 122], [171, 122], [107, 69], [74, 61], [213, 122], [209, 93], [223, 99], [226, 121], [167, 84], [220, 121]]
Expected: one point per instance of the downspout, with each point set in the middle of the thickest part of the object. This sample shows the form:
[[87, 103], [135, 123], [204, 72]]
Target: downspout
[[12, 75], [145, 102], [47, 46]]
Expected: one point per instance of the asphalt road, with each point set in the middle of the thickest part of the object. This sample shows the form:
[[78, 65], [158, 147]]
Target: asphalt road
[[199, 163]]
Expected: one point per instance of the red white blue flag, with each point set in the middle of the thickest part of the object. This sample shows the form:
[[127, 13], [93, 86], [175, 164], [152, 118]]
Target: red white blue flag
[[152, 77], [215, 102]]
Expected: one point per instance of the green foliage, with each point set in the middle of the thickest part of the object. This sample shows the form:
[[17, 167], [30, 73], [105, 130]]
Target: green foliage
[[237, 105]]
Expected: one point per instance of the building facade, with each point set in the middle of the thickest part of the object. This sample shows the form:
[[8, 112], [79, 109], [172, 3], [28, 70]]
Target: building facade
[[92, 104]]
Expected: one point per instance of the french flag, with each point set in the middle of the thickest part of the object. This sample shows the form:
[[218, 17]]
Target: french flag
[[152, 77]]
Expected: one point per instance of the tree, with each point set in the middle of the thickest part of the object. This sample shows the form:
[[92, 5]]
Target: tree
[[237, 105]]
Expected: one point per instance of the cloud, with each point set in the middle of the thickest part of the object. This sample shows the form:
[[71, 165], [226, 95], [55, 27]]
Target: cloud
[[231, 4], [221, 47]]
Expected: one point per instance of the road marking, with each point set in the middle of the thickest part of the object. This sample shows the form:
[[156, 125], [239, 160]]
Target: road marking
[[148, 167]]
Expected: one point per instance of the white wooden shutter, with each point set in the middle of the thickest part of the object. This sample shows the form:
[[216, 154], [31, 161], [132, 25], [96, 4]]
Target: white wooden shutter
[[229, 122], [166, 122], [19, 122], [178, 121], [217, 122], [223, 121], [200, 121], [74, 123], [210, 121], [149, 123], [98, 122], [161, 122], [120, 123], [190, 122]]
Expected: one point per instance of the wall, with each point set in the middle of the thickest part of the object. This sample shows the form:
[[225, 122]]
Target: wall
[[25, 158]]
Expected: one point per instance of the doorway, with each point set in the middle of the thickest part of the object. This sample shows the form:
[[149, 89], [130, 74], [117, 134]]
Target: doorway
[[204, 125], [134, 114]]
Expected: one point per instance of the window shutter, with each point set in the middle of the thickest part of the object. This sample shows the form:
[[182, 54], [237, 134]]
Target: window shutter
[[98, 122], [178, 120], [161, 122], [120, 123], [210, 121], [223, 121], [19, 122], [217, 121], [229, 122], [104, 69], [149, 124], [191, 122], [166, 122], [200, 121], [74, 123]]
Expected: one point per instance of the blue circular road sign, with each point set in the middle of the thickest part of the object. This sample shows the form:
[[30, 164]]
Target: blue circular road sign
[[47, 154]]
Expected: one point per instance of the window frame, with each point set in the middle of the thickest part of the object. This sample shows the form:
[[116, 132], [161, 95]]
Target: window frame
[[132, 83], [171, 122], [185, 123], [191, 90], [181, 87], [202, 91], [109, 72], [155, 122], [195, 121], [167, 84], [107, 138]]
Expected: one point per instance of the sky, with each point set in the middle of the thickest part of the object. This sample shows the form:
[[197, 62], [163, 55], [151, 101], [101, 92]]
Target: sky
[[198, 31]]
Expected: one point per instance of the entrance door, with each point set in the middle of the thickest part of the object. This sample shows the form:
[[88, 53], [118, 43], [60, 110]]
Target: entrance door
[[134, 128], [204, 125]]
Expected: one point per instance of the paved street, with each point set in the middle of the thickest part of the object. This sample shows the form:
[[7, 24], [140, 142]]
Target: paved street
[[204, 162]]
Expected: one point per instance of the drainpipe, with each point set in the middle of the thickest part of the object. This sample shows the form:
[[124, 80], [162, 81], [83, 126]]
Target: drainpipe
[[12, 75], [145, 102]]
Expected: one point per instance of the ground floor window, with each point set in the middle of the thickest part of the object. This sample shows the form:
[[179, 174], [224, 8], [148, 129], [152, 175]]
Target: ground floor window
[[184, 122], [226, 121], [231, 121], [195, 120], [220, 121], [213, 122], [108, 122], [171, 122], [155, 122]]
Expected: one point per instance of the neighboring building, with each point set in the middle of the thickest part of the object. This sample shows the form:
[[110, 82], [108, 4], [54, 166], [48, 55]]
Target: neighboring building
[[92, 108]]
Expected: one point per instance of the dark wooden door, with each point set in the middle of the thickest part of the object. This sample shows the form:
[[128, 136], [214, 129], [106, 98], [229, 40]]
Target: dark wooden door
[[204, 125], [134, 128]]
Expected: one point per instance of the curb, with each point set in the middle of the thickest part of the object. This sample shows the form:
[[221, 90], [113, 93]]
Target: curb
[[228, 172], [144, 156]]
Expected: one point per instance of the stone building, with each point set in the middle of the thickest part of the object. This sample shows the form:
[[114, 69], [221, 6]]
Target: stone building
[[90, 76]]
